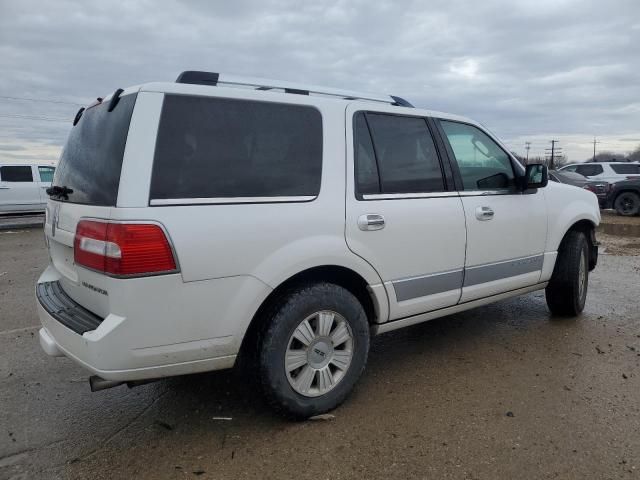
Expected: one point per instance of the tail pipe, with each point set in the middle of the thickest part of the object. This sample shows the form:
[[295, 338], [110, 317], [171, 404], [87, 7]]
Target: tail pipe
[[98, 383]]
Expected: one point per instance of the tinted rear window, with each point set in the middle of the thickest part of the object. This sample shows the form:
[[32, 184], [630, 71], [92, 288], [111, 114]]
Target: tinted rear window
[[91, 160], [406, 154], [217, 148], [626, 169], [16, 174]]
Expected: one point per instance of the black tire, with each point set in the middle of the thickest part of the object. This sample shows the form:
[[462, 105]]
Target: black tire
[[563, 293], [627, 204], [280, 324]]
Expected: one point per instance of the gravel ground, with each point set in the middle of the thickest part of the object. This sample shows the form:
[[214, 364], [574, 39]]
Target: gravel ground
[[502, 391]]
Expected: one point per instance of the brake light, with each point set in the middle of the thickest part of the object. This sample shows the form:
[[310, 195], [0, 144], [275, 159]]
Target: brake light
[[123, 248]]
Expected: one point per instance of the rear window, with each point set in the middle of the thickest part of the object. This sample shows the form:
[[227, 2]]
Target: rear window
[[16, 174], [626, 169], [91, 160], [220, 148]]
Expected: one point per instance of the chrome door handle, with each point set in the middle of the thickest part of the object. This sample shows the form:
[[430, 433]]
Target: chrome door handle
[[5, 188], [370, 221], [484, 213]]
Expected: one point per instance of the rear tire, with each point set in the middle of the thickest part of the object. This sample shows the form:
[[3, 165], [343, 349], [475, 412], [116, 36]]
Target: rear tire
[[312, 350], [566, 292], [627, 204]]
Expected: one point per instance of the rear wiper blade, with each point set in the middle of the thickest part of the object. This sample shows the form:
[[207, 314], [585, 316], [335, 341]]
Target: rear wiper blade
[[57, 191]]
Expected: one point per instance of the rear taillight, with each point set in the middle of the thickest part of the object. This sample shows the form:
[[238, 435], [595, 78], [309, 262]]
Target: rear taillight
[[123, 248]]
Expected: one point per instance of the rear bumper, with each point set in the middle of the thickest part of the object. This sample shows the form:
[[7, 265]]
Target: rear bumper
[[154, 341]]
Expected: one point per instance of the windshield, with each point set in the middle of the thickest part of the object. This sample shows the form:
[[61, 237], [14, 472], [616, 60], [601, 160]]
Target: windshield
[[91, 161]]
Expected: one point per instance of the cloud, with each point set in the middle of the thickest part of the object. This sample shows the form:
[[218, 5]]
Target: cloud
[[526, 69]]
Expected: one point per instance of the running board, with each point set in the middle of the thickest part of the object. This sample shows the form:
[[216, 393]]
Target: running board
[[424, 317]]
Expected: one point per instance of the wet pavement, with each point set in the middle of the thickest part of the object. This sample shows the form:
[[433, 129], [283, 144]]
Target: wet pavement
[[502, 391]]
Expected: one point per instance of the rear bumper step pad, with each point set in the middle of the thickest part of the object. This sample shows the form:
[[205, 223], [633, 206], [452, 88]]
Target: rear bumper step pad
[[64, 309]]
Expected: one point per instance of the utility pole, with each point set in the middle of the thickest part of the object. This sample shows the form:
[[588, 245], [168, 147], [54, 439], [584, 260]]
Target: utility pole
[[527, 146], [594, 149], [552, 153]]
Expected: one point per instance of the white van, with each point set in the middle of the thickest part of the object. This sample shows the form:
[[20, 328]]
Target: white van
[[22, 187], [218, 218]]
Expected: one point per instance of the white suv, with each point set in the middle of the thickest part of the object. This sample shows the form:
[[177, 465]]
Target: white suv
[[22, 187], [196, 223], [605, 171]]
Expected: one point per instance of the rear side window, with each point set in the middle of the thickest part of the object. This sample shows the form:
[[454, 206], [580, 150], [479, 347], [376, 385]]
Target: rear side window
[[91, 161], [402, 154], [19, 173], [46, 173], [367, 178], [222, 148], [589, 170], [626, 169]]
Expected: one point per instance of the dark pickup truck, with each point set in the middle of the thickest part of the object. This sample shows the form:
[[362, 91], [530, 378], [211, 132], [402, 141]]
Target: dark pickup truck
[[624, 197]]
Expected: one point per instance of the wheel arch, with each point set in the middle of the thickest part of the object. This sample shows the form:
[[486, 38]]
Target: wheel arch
[[345, 277], [588, 228]]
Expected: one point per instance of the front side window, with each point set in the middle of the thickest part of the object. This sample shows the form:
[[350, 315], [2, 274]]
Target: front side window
[[18, 173], [482, 163], [589, 170], [46, 173], [224, 148], [400, 156]]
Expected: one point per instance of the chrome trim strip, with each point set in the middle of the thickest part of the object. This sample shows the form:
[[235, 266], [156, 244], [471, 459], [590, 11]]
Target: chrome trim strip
[[480, 193], [409, 288], [499, 270], [392, 196], [221, 200], [423, 317]]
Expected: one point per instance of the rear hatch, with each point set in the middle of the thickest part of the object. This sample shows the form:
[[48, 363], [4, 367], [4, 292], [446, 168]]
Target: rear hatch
[[86, 184]]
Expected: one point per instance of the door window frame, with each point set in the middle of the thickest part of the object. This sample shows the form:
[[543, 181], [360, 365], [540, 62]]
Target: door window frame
[[518, 169], [445, 168]]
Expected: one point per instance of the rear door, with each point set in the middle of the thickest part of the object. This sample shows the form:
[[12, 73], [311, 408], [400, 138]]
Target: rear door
[[506, 228], [402, 216], [592, 171], [89, 169], [18, 190]]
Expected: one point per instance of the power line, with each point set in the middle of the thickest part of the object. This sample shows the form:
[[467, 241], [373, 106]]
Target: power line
[[554, 152], [35, 117], [40, 100]]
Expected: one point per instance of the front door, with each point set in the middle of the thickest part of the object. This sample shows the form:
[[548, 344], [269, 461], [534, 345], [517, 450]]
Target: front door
[[506, 228], [402, 217]]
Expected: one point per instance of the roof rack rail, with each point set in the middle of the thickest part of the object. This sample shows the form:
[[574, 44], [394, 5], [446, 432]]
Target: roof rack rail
[[214, 79]]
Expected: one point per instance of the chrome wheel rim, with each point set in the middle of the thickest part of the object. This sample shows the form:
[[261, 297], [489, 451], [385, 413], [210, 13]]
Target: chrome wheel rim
[[319, 353], [582, 273]]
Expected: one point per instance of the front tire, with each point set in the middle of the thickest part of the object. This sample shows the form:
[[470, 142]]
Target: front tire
[[627, 204], [313, 349], [566, 292]]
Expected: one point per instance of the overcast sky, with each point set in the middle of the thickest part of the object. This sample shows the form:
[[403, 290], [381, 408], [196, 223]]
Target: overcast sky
[[530, 71]]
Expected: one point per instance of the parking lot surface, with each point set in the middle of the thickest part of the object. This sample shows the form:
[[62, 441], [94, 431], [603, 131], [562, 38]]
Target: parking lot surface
[[502, 391]]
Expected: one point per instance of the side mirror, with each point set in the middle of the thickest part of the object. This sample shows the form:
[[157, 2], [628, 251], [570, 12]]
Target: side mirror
[[536, 176]]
